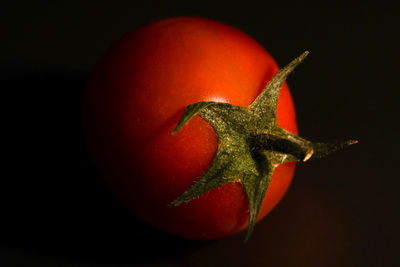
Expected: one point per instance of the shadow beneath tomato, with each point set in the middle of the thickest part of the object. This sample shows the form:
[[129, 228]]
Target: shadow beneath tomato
[[308, 228], [56, 204]]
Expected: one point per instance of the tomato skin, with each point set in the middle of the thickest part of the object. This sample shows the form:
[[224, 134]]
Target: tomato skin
[[134, 99]]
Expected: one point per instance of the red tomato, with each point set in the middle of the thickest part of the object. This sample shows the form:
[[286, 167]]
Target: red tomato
[[134, 99]]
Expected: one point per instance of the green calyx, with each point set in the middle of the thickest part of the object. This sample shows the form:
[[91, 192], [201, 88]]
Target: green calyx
[[251, 144]]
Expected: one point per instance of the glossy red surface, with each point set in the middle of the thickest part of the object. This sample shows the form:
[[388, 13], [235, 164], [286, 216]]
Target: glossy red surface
[[135, 97]]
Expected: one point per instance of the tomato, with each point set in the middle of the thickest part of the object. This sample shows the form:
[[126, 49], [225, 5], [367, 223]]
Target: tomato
[[133, 100]]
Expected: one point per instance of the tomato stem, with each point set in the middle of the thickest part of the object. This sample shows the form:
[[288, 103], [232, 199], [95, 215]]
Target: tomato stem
[[251, 144]]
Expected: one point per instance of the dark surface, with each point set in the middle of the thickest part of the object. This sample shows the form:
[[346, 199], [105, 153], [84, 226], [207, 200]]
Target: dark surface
[[340, 211]]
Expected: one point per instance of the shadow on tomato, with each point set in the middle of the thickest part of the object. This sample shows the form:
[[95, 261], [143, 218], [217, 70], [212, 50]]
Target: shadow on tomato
[[57, 203]]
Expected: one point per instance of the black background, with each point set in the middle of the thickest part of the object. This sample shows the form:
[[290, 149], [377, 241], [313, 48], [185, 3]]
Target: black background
[[340, 211]]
